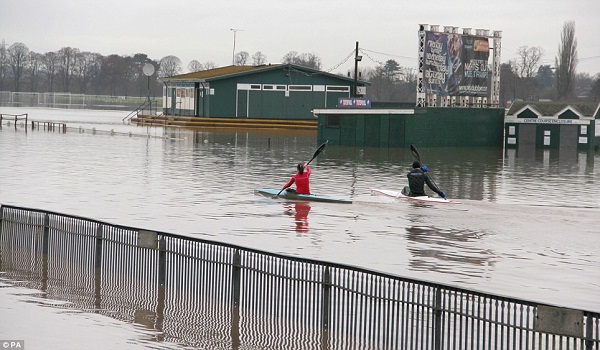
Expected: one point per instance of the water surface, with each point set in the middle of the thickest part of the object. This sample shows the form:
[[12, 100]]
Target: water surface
[[528, 226]]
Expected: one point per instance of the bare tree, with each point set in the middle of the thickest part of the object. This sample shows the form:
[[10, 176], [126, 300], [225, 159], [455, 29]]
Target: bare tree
[[34, 68], [50, 63], [258, 58], [18, 55], [241, 58], [290, 58], [526, 67], [209, 65], [195, 66], [528, 61], [66, 66], [308, 60], [582, 84], [3, 64], [566, 62], [86, 69], [169, 66]]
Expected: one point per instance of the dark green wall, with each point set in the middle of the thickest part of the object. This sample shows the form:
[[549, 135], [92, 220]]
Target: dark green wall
[[431, 127], [274, 104]]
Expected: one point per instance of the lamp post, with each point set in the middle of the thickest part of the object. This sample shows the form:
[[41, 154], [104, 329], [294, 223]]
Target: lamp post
[[234, 33], [357, 58], [148, 71]]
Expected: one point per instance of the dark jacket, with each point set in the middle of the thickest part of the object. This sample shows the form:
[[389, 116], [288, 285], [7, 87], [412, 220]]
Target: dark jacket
[[416, 182]]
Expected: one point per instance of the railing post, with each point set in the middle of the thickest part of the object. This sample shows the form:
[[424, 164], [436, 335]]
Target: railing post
[[326, 306], [98, 259], [437, 319], [162, 261], [236, 276], [46, 234], [45, 239], [589, 333], [98, 268], [1, 219]]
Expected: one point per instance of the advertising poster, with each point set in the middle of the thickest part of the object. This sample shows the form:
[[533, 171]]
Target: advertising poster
[[456, 65]]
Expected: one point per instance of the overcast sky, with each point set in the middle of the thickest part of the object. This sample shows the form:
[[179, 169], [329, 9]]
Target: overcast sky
[[201, 30]]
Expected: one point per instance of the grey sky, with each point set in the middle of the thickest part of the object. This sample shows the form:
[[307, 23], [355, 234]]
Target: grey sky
[[201, 30]]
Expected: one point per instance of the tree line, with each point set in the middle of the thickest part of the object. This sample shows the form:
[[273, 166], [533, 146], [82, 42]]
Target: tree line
[[70, 70]]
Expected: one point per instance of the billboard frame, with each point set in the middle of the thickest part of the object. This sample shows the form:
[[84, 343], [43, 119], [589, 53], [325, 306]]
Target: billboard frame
[[426, 98]]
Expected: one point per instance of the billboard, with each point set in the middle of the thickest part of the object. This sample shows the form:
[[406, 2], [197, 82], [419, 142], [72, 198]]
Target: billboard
[[455, 64]]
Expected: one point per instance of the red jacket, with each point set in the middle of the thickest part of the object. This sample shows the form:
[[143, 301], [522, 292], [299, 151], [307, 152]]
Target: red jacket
[[302, 181]]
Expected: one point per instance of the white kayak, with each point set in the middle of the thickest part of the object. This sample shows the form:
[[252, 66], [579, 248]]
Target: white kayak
[[396, 194]]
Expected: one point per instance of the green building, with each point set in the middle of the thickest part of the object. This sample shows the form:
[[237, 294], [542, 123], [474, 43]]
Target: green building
[[549, 125], [401, 126], [274, 91]]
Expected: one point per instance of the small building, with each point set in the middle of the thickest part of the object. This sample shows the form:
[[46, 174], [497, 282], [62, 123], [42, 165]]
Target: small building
[[548, 125], [274, 91]]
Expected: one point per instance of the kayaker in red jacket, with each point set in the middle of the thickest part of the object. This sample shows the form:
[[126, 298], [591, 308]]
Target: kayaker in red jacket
[[301, 179]]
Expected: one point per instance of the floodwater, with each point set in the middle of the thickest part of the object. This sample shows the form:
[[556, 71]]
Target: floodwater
[[529, 225]]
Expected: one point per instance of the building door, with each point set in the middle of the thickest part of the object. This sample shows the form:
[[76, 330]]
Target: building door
[[567, 151], [242, 104], [526, 137], [568, 136], [526, 140]]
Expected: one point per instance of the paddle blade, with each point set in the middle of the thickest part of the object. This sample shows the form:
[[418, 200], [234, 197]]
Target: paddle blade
[[415, 153], [318, 151]]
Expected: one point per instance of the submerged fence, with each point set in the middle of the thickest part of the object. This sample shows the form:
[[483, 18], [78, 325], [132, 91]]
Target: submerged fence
[[216, 295]]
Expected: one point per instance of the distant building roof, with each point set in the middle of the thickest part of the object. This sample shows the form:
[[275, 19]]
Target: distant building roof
[[549, 109], [216, 72], [231, 71]]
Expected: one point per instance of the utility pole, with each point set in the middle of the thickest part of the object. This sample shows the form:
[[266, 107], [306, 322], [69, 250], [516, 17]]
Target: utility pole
[[356, 59], [234, 33]]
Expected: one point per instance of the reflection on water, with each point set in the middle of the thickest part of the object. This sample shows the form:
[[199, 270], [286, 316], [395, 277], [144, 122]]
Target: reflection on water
[[299, 210], [448, 251]]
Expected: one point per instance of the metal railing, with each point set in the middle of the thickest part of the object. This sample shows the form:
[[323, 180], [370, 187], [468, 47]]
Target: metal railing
[[11, 117], [149, 105], [207, 293], [71, 101]]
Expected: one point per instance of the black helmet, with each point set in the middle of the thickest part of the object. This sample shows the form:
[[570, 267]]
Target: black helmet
[[416, 164], [300, 168]]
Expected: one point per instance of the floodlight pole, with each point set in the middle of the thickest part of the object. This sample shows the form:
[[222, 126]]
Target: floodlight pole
[[233, 54]]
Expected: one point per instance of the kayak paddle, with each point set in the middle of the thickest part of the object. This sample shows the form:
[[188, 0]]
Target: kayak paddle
[[317, 152], [415, 153]]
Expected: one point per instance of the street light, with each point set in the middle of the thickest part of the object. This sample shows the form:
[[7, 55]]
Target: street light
[[234, 33]]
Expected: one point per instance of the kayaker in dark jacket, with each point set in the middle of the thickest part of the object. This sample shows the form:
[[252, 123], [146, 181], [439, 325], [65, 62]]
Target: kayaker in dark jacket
[[301, 179], [417, 178]]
